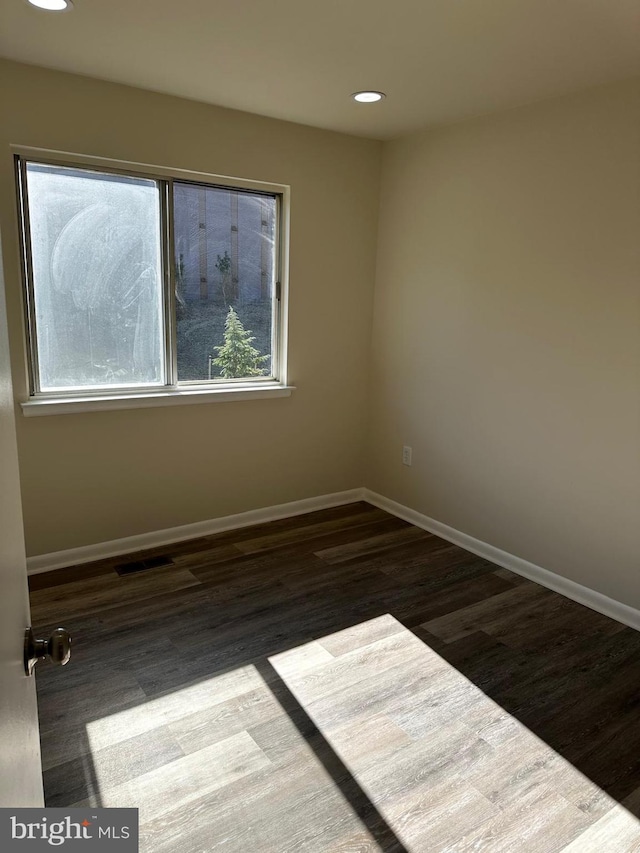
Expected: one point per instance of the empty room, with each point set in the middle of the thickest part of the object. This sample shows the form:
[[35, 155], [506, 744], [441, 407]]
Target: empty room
[[320, 426]]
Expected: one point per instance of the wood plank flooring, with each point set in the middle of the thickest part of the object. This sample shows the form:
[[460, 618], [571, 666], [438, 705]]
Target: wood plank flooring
[[340, 681]]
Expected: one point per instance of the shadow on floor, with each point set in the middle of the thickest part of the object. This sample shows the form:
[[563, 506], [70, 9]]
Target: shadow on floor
[[568, 674]]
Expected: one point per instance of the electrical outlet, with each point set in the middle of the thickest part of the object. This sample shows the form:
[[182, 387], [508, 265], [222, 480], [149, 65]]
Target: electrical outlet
[[406, 455]]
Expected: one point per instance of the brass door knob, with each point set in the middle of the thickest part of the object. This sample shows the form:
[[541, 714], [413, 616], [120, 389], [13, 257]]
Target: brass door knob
[[57, 648]]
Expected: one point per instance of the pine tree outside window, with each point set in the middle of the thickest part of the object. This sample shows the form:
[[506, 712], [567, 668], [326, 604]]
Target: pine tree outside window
[[142, 284]]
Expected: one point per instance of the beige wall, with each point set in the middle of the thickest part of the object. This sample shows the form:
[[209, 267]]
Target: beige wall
[[506, 343], [93, 477], [506, 333]]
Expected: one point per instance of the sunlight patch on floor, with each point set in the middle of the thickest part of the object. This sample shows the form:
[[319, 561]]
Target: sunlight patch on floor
[[399, 729], [441, 761], [173, 706]]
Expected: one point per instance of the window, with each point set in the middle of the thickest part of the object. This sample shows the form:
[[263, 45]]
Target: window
[[143, 286]]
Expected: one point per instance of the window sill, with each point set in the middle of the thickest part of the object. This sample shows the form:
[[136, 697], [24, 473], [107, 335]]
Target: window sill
[[35, 407]]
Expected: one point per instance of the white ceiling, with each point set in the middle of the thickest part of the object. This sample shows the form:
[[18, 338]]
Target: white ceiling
[[437, 60]]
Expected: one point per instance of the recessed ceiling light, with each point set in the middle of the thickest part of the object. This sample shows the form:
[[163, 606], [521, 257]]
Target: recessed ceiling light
[[52, 5], [368, 97]]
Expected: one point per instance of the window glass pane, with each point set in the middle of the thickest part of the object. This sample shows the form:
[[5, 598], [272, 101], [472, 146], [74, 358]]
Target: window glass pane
[[97, 278], [225, 267]]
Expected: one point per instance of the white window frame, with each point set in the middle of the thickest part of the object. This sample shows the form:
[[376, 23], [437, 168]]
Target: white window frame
[[173, 392]]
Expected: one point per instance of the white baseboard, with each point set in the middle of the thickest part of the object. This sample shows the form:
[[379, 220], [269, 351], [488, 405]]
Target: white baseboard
[[116, 547], [570, 589], [575, 591]]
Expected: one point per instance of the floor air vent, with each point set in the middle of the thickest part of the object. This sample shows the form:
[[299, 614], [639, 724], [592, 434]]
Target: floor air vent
[[136, 566]]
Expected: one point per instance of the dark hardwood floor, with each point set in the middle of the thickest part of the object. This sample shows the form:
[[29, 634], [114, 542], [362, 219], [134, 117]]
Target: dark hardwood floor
[[340, 681]]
